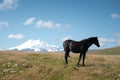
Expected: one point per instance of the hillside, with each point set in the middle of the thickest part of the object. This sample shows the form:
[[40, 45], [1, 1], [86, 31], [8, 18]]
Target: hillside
[[108, 51], [50, 66]]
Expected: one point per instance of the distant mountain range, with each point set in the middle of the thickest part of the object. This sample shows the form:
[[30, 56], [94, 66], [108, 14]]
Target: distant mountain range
[[37, 46]]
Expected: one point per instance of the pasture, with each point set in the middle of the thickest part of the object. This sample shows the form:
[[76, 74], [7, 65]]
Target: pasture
[[50, 66]]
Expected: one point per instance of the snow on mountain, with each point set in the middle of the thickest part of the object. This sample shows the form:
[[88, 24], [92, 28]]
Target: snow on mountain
[[37, 46]]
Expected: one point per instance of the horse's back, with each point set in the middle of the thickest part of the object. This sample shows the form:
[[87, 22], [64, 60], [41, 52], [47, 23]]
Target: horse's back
[[71, 45], [67, 41], [75, 46]]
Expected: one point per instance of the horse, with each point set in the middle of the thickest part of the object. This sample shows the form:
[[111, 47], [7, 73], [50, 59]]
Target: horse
[[79, 47]]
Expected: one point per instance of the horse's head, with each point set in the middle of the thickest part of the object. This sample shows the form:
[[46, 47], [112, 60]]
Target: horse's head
[[96, 42]]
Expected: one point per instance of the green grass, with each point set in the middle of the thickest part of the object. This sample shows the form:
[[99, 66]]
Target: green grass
[[50, 66]]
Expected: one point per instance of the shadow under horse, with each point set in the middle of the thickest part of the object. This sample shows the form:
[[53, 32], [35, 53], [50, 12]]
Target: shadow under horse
[[79, 47]]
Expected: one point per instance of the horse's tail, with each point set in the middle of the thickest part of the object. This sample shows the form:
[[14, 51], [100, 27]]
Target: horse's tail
[[66, 45]]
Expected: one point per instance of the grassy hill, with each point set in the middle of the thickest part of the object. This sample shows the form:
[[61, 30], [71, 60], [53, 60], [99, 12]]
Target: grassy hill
[[109, 51], [50, 66]]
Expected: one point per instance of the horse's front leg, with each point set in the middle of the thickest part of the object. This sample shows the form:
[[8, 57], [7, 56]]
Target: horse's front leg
[[79, 59], [84, 59]]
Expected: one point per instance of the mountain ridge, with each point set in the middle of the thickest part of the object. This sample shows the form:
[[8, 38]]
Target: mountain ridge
[[36, 46]]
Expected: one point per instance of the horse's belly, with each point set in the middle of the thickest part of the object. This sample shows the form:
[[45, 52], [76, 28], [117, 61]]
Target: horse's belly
[[75, 50]]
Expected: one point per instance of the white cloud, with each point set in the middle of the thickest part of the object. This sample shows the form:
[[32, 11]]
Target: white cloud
[[102, 44], [47, 24], [44, 24], [117, 34], [66, 37], [29, 21], [4, 24], [115, 16], [104, 41], [8, 4], [107, 40], [15, 36], [119, 41]]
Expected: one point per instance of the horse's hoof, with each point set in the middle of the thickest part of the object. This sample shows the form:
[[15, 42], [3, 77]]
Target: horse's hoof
[[78, 65], [66, 63]]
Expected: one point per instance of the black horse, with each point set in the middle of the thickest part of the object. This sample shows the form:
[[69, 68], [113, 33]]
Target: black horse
[[79, 47]]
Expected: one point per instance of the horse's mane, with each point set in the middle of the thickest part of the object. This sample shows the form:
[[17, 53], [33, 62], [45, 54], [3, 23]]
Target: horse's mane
[[90, 38]]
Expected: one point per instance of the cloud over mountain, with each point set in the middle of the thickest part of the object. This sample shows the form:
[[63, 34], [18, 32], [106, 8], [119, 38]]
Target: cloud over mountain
[[15, 36], [66, 37]]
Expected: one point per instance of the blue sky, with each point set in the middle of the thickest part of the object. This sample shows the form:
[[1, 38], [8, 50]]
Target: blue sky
[[56, 20]]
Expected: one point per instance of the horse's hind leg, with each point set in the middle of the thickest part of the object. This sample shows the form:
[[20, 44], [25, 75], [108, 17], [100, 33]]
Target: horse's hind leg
[[66, 56]]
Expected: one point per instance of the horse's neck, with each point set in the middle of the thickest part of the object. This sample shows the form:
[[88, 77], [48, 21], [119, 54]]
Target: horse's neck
[[89, 43]]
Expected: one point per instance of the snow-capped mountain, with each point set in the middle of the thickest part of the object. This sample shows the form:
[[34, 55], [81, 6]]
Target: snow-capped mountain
[[37, 46]]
